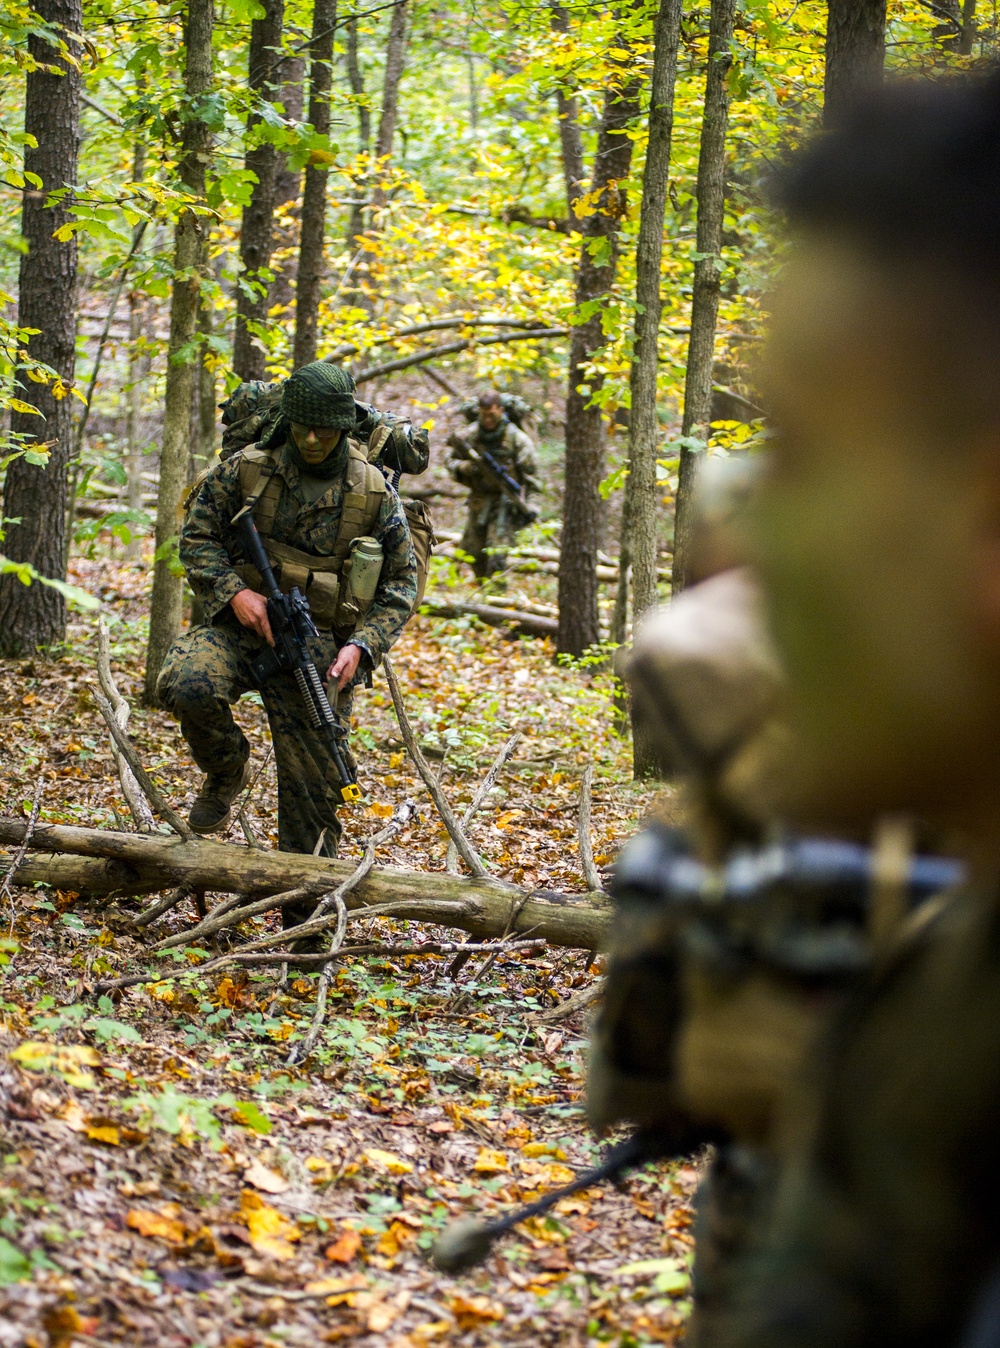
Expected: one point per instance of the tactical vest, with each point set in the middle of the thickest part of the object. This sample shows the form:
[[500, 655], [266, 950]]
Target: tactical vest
[[318, 578]]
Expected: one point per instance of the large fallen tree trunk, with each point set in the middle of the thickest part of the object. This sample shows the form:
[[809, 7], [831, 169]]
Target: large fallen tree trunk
[[533, 624], [102, 862]]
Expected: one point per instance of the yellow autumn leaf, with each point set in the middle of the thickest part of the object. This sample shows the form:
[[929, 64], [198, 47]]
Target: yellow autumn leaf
[[387, 1160], [104, 1132], [543, 1149], [490, 1162], [160, 1224], [68, 1061], [505, 820], [270, 1232], [471, 1311], [396, 761], [379, 810]]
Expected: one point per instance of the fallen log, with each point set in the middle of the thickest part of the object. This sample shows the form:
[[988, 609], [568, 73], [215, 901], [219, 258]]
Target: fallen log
[[100, 861], [531, 624]]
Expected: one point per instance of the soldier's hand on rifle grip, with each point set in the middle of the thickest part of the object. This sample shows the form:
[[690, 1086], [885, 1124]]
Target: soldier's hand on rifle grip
[[345, 666], [251, 609]]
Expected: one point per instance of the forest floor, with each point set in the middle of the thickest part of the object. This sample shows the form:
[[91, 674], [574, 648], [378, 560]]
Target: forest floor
[[166, 1180]]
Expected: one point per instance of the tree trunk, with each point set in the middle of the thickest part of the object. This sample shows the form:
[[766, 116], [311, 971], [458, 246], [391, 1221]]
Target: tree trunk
[[287, 188], [137, 863], [585, 431], [257, 233], [644, 430], [968, 28], [711, 193], [310, 274], [356, 222], [570, 139], [855, 53], [395, 60], [189, 260], [33, 616], [138, 371]]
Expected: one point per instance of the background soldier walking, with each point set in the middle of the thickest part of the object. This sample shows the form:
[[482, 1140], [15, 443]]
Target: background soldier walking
[[495, 513]]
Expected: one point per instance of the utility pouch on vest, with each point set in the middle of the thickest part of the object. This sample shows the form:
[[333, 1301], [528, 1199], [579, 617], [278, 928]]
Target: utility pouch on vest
[[359, 581], [418, 521]]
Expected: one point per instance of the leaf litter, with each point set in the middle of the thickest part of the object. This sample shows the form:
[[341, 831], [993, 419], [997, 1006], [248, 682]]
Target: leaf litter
[[166, 1180]]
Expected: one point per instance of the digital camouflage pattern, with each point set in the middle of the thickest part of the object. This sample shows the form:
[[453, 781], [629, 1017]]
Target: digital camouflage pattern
[[492, 521], [210, 545], [206, 671], [407, 449]]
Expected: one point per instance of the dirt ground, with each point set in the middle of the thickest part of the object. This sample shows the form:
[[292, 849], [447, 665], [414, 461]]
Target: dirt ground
[[165, 1178]]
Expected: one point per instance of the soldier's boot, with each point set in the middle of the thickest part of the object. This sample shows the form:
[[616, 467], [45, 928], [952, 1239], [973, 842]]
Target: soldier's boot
[[213, 805]]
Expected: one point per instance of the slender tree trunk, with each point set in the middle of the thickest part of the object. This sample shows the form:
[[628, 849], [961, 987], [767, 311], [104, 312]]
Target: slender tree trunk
[[968, 27], [206, 409], [395, 61], [287, 188], [33, 616], [137, 369], [356, 221], [570, 139], [189, 256], [711, 192], [644, 430], [855, 53], [257, 233], [585, 430], [310, 274]]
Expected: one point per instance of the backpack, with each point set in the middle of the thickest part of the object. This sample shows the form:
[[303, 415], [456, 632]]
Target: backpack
[[515, 409], [249, 414]]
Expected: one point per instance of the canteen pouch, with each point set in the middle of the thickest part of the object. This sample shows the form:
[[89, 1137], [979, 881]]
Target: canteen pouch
[[359, 581]]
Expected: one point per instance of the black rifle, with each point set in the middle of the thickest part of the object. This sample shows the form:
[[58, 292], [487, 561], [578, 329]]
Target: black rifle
[[292, 626], [508, 484]]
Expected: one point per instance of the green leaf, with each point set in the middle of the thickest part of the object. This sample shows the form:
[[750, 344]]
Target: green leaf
[[14, 1267], [253, 1116]]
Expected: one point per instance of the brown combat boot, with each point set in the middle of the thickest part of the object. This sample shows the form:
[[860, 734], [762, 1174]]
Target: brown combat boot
[[213, 805]]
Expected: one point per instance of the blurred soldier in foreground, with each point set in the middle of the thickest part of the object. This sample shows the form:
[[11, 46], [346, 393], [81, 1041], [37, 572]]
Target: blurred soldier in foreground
[[497, 461], [878, 544]]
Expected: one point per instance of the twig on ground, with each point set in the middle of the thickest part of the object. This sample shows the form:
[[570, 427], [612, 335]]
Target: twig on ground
[[5, 886], [575, 1003], [128, 751], [137, 803], [162, 906], [590, 872], [402, 816], [241, 815], [488, 783], [248, 830], [233, 914], [465, 851]]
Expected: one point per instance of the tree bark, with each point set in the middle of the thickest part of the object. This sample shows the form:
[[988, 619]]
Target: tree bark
[[310, 274], [711, 194], [395, 61], [585, 430], [138, 371], [287, 188], [644, 430], [570, 139], [136, 863], [356, 221], [968, 27], [190, 238], [33, 616], [855, 53], [257, 233]]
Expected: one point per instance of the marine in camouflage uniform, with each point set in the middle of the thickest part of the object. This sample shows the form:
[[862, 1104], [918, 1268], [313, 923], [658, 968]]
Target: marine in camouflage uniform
[[207, 670], [492, 518]]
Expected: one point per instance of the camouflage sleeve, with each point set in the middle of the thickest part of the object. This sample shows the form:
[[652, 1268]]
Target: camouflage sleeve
[[407, 449], [458, 463], [397, 586], [208, 539], [526, 460]]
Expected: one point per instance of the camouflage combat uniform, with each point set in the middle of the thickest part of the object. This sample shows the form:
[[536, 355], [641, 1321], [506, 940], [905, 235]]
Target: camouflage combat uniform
[[207, 669], [492, 520]]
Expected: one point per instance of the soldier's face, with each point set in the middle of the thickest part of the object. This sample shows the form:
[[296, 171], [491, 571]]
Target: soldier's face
[[877, 536], [490, 417], [315, 443]]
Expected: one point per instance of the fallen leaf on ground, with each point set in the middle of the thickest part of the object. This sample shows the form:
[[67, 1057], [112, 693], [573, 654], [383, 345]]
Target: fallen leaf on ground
[[387, 1160], [344, 1248], [471, 1311], [353, 1282], [262, 1177], [490, 1162], [270, 1232], [163, 1224], [67, 1061]]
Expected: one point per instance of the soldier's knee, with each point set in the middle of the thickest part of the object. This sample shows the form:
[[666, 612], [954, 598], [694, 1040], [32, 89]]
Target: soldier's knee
[[185, 688]]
